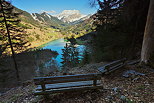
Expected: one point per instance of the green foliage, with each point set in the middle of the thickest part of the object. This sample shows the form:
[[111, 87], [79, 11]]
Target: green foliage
[[66, 57], [70, 55], [10, 28], [26, 17], [25, 26], [79, 29], [37, 36], [30, 39], [120, 30]]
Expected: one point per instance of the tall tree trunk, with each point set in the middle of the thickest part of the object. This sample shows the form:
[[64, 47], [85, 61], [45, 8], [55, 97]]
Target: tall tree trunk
[[9, 37], [148, 40]]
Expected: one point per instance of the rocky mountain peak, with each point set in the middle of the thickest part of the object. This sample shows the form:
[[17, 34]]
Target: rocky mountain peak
[[70, 15]]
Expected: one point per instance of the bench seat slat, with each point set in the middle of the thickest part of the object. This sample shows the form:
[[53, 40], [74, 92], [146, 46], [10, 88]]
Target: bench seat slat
[[115, 63], [65, 80], [67, 85], [66, 76], [113, 69], [102, 69], [66, 90]]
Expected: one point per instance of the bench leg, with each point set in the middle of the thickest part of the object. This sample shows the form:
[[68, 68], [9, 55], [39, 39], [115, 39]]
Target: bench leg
[[95, 82]]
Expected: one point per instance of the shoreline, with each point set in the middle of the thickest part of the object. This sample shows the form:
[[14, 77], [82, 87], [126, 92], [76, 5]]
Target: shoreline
[[41, 44]]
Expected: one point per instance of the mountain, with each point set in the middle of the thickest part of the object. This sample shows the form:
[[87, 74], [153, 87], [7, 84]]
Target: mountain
[[70, 16], [26, 17], [40, 28], [80, 27], [37, 19], [47, 19], [81, 20], [43, 27]]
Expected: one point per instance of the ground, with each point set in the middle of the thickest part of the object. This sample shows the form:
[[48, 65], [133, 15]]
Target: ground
[[117, 89]]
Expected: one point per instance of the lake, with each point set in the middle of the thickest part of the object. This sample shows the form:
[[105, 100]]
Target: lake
[[58, 45], [33, 64]]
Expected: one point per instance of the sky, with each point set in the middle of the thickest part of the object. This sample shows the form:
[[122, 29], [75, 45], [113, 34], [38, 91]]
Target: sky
[[54, 6]]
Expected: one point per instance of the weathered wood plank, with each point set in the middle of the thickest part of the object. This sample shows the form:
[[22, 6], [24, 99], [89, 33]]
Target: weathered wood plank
[[113, 69], [115, 62], [102, 69], [68, 85], [112, 66], [67, 90], [63, 80], [67, 76]]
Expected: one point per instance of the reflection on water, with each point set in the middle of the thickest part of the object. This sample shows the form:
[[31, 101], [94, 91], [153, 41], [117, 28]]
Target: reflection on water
[[57, 46]]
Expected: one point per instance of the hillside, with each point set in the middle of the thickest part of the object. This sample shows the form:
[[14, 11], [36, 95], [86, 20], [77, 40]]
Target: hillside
[[79, 28], [48, 20], [40, 28], [43, 27]]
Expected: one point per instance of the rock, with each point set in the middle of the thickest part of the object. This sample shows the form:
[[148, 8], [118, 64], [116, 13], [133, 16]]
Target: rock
[[109, 97], [122, 97], [130, 73], [116, 89], [136, 94], [135, 79]]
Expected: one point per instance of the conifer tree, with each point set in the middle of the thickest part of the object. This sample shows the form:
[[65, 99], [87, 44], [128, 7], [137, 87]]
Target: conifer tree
[[66, 57], [70, 54], [13, 36], [9, 24]]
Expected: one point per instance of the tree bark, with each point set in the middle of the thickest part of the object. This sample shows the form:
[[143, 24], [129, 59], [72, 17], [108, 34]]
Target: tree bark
[[148, 40], [9, 38]]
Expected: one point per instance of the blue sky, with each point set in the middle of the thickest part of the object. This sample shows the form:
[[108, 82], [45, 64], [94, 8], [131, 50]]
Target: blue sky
[[58, 6]]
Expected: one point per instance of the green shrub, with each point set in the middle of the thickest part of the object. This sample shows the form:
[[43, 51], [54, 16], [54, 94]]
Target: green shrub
[[30, 39]]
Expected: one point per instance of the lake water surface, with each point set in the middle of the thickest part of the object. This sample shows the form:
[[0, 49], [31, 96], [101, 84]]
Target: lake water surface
[[58, 45]]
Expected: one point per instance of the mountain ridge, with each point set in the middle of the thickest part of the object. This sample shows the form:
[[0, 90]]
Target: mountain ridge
[[69, 16], [47, 19]]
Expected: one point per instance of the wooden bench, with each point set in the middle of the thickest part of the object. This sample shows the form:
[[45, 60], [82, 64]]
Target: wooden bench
[[57, 84], [106, 69]]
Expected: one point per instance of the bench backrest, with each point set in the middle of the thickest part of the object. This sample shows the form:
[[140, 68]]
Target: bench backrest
[[115, 63], [66, 78], [112, 65]]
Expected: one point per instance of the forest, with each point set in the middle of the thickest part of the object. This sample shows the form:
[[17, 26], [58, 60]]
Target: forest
[[121, 31]]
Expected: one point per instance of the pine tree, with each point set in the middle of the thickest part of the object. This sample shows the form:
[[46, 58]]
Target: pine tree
[[66, 57], [9, 24], [10, 30], [74, 56], [105, 39], [70, 55], [74, 52]]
